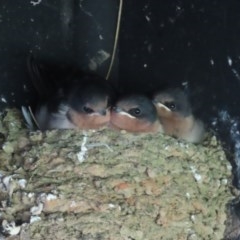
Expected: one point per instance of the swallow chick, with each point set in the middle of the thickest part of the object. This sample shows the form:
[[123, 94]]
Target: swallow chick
[[135, 113], [89, 105], [83, 102], [86, 106], [175, 115]]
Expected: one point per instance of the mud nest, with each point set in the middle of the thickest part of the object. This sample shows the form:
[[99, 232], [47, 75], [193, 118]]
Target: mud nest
[[68, 184]]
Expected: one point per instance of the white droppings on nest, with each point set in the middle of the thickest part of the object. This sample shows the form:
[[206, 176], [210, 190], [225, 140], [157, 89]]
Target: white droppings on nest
[[100, 145], [6, 180], [111, 205], [43, 197], [82, 154], [196, 176], [31, 195], [193, 218], [50, 197], [188, 196], [37, 210], [183, 145], [35, 219], [10, 227], [60, 219], [8, 185], [22, 183], [224, 181]]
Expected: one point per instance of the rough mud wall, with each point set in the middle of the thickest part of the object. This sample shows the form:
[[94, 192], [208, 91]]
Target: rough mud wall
[[109, 185]]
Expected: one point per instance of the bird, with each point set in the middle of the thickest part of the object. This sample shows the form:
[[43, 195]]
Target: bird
[[175, 115], [134, 113], [90, 103], [79, 101]]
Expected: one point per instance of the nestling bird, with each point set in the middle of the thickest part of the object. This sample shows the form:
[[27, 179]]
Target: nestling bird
[[89, 104], [135, 113], [175, 115], [82, 101]]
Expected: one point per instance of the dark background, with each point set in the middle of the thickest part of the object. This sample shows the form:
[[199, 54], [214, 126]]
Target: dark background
[[193, 44]]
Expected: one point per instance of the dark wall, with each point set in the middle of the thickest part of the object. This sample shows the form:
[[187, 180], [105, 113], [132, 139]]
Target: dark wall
[[57, 32], [183, 41]]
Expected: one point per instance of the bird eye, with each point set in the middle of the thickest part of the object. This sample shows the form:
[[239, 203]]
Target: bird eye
[[135, 112], [87, 110], [170, 105]]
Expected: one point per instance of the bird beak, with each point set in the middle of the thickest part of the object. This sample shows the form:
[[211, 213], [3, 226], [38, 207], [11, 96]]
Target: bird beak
[[160, 105], [120, 111]]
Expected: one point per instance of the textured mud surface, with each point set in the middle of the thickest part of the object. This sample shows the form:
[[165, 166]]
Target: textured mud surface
[[109, 185]]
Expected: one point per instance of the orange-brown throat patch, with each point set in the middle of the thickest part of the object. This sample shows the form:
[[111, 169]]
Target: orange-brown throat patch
[[88, 121], [123, 122]]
